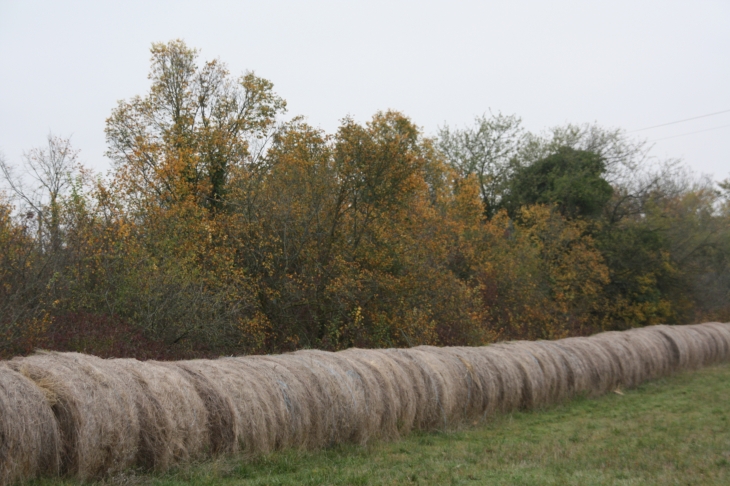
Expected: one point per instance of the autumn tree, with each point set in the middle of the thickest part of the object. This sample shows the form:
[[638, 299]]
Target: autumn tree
[[222, 231], [181, 140], [343, 232]]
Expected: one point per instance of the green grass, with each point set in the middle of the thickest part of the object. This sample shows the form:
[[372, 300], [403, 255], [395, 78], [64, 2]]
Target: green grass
[[672, 431]]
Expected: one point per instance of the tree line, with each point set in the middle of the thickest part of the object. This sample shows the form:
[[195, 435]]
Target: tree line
[[222, 230]]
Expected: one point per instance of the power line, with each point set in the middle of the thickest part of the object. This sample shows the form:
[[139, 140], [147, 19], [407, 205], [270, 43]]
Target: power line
[[679, 121], [691, 133]]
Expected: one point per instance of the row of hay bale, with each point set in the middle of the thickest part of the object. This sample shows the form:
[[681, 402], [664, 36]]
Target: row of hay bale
[[81, 416]]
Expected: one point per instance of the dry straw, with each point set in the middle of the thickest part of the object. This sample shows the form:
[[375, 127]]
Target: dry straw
[[86, 417], [94, 405], [29, 436], [172, 416], [218, 416], [396, 381]]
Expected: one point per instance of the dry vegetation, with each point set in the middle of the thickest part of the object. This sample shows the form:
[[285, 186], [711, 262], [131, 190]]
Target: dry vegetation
[[87, 417]]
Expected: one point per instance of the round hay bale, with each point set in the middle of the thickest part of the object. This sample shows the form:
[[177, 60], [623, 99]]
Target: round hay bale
[[417, 387], [678, 349], [303, 402], [534, 382], [713, 343], [339, 395], [600, 373], [565, 364], [172, 416], [95, 408], [30, 441], [722, 333], [510, 378], [446, 387], [579, 370], [465, 387], [625, 357], [554, 368], [253, 398], [426, 404], [219, 419], [397, 395], [484, 387], [701, 348], [657, 353]]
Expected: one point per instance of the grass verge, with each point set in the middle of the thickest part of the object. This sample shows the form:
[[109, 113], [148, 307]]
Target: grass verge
[[671, 431]]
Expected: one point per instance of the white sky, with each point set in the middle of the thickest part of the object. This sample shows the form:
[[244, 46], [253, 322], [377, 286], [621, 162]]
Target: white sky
[[628, 64]]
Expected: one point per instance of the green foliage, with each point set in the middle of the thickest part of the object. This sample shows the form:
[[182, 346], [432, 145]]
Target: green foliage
[[571, 179]]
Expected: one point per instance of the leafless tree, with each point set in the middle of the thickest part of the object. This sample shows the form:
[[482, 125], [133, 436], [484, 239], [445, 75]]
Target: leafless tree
[[46, 174]]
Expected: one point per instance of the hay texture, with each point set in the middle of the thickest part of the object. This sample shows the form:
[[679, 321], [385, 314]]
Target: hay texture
[[95, 409], [86, 417], [172, 416], [29, 436]]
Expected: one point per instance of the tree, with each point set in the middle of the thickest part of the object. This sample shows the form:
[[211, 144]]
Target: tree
[[571, 179], [180, 141], [486, 150], [51, 170], [31, 258], [623, 157]]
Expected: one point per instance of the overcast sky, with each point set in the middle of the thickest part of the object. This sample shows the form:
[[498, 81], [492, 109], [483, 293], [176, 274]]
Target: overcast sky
[[628, 64]]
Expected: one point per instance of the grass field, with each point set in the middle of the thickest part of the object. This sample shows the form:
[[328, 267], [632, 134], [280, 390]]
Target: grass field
[[671, 431]]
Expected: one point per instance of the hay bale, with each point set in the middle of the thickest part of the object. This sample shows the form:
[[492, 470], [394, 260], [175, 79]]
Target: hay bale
[[678, 352], [713, 344], [701, 348], [271, 401], [339, 392], [299, 414], [444, 390], [554, 367], [657, 352], [597, 371], [219, 417], [483, 386], [463, 386], [410, 389], [30, 442], [172, 416], [510, 378], [394, 388], [693, 346], [370, 410], [722, 334], [578, 372], [94, 405], [624, 356], [569, 368], [533, 381], [426, 410]]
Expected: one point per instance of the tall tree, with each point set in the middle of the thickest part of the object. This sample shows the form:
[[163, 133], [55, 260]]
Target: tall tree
[[181, 140], [485, 150], [50, 171]]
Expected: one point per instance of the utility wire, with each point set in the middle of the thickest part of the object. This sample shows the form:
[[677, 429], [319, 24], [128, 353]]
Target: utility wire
[[679, 121], [691, 133]]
